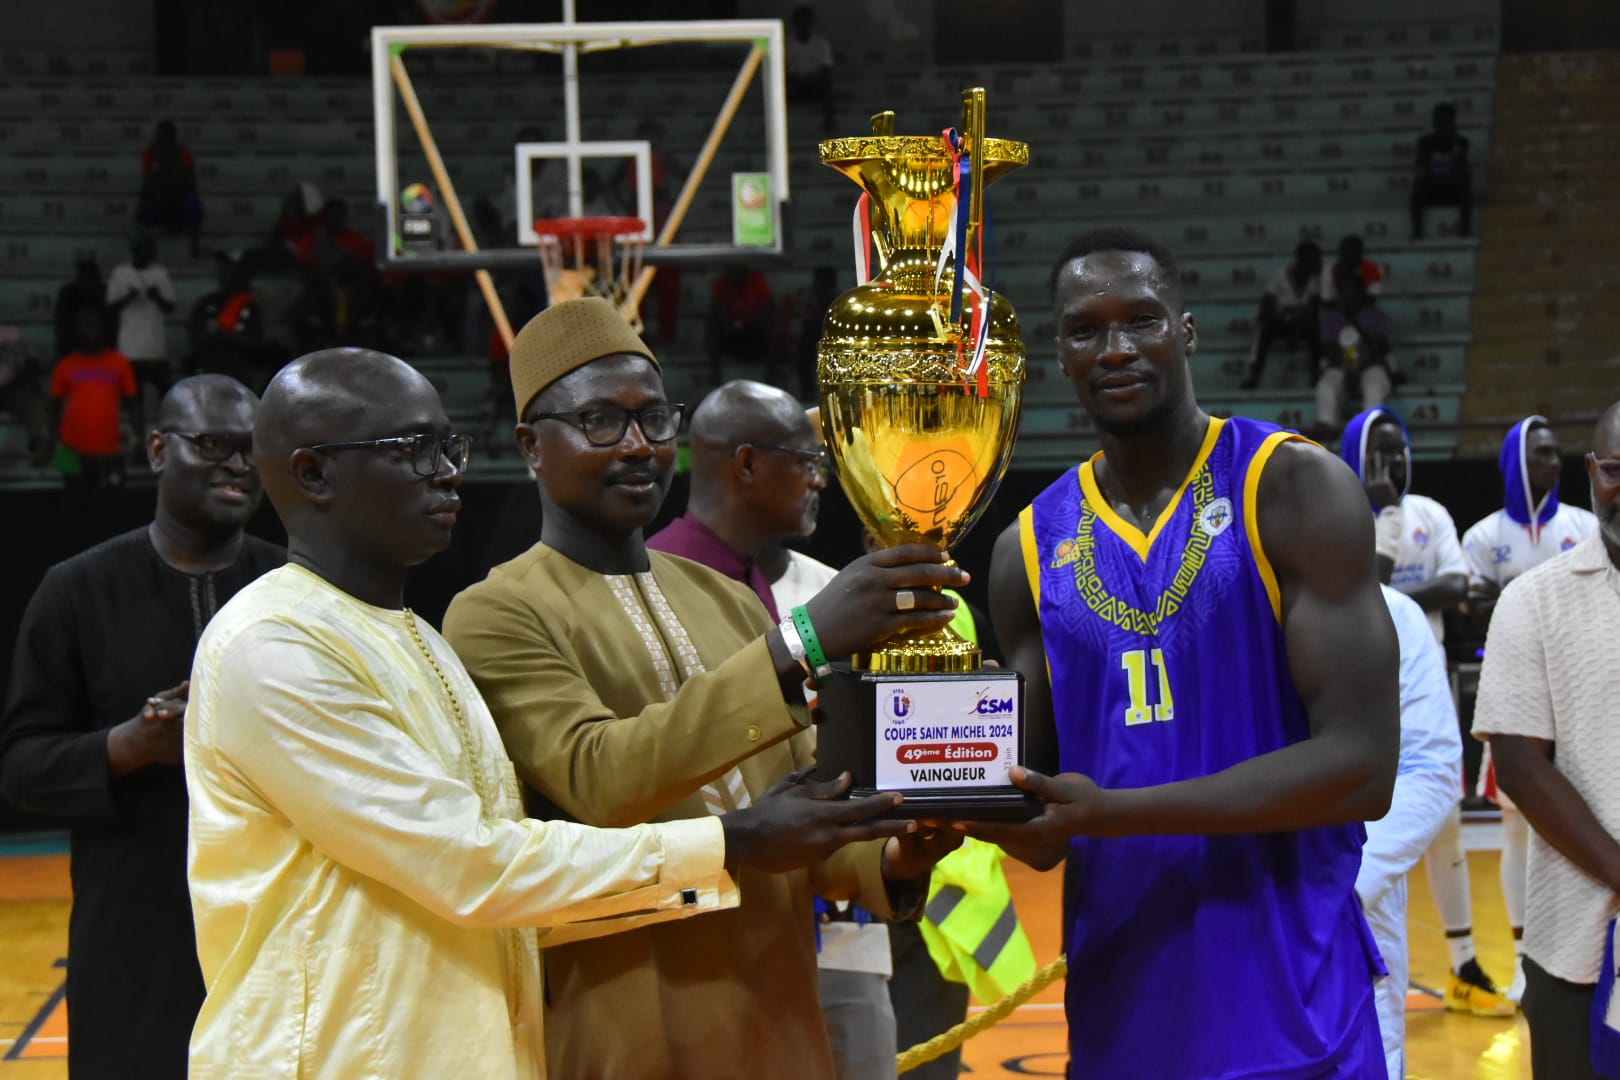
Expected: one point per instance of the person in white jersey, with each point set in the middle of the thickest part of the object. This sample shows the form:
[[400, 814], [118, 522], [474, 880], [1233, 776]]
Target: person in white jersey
[[1425, 798], [1419, 555], [1532, 527]]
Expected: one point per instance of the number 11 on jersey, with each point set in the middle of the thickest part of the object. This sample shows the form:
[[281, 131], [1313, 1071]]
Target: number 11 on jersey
[[1136, 663]]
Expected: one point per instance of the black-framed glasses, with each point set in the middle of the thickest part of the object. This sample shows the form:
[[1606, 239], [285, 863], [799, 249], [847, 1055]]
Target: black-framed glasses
[[1608, 468], [426, 450], [217, 447], [605, 425], [818, 461]]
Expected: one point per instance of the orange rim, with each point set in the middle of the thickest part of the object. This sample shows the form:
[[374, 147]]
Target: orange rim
[[585, 228]]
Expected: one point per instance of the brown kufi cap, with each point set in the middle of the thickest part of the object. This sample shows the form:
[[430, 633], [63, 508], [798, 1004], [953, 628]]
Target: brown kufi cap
[[566, 336]]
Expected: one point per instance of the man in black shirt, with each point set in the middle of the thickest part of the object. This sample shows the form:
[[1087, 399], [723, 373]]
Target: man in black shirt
[[91, 732], [1444, 177]]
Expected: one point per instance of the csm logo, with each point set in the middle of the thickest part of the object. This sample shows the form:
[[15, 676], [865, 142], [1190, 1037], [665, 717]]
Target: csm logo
[[992, 706], [899, 705]]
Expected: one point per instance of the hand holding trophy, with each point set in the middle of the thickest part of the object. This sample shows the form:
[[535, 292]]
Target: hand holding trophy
[[921, 373]]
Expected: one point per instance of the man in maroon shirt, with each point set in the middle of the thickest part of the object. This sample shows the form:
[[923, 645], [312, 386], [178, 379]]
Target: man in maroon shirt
[[757, 473]]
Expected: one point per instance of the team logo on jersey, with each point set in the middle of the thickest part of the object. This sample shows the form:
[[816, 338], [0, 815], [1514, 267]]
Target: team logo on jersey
[[1420, 538], [1567, 543], [1216, 517], [1066, 553]]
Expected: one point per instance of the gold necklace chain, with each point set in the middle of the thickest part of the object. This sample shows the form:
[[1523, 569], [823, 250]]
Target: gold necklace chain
[[462, 731], [518, 953]]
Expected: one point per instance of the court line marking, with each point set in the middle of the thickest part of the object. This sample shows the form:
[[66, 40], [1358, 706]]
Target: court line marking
[[21, 1042]]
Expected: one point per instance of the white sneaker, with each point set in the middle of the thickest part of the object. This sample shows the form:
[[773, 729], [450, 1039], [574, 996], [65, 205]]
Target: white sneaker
[[1515, 990]]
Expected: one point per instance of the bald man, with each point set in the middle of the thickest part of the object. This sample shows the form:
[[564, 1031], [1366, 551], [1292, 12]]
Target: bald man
[[630, 685], [365, 881], [92, 723], [758, 468]]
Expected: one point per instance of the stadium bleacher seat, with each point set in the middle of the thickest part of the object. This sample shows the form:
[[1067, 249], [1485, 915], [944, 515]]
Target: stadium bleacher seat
[[1229, 155]]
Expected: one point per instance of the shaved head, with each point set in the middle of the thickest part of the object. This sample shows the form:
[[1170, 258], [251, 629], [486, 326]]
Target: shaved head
[[764, 494], [329, 396], [191, 402], [353, 449], [744, 411], [1607, 432]]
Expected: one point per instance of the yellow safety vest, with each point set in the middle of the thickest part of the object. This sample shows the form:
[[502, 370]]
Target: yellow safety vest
[[969, 924]]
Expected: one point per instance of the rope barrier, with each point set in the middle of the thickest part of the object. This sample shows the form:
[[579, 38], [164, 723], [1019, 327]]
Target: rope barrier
[[940, 1045]]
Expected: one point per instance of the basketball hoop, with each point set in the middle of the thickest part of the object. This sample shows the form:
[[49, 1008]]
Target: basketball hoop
[[593, 256]]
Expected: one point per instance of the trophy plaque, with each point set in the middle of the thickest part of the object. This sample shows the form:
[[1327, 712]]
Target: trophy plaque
[[920, 373]]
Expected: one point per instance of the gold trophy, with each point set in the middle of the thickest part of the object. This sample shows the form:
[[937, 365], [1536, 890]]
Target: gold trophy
[[920, 396]]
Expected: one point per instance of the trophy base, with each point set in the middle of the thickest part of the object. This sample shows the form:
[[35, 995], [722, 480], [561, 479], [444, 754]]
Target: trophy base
[[942, 651], [969, 804], [944, 741]]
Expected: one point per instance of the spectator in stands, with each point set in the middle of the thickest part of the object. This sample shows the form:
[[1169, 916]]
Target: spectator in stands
[[299, 216], [1546, 705], [343, 308], [169, 196], [91, 385], [740, 319], [1354, 339], [1444, 176], [320, 248], [141, 294], [87, 289], [23, 393], [1289, 311], [227, 328], [809, 61]]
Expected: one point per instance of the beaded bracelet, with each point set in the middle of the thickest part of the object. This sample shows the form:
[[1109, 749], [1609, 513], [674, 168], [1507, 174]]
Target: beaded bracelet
[[812, 644]]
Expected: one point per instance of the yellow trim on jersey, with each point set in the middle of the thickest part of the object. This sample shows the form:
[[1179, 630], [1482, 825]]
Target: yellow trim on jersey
[[1032, 554], [1251, 513], [1133, 536], [1032, 570]]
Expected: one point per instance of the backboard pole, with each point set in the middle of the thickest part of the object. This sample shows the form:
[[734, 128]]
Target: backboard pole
[[571, 126], [430, 148], [700, 168]]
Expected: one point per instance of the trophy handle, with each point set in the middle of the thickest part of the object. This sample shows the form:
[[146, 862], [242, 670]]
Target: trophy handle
[[973, 128], [882, 125]]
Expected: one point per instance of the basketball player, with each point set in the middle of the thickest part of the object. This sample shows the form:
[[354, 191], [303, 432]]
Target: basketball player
[[1532, 527], [1210, 663], [1419, 555]]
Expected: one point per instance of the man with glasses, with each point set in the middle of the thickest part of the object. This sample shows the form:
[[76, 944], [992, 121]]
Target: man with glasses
[[630, 685], [92, 727], [758, 468], [1547, 694], [365, 881]]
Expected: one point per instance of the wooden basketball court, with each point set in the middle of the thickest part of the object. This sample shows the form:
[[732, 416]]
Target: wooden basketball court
[[1440, 1046]]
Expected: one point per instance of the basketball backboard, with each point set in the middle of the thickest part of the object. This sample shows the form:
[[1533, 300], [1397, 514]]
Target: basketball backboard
[[555, 119]]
